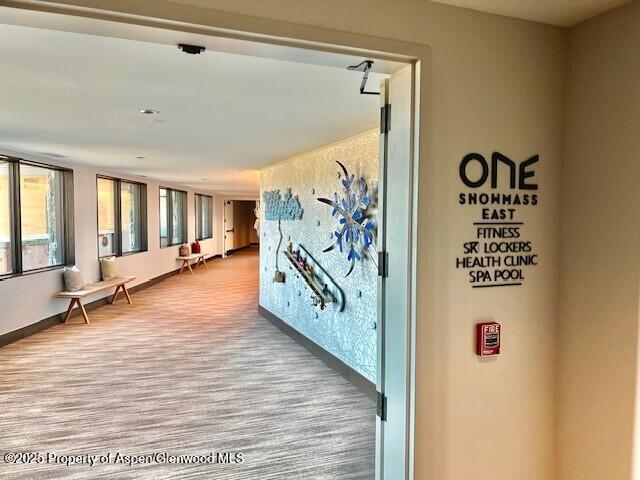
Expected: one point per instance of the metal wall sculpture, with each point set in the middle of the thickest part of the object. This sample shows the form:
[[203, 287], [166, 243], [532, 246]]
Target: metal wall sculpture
[[256, 212], [356, 231], [324, 291], [278, 208]]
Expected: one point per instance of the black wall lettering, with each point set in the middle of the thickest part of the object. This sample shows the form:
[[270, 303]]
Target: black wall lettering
[[463, 170], [498, 157], [497, 255], [524, 174]]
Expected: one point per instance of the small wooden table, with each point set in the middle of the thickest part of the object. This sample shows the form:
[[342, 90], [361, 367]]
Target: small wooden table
[[76, 297], [186, 261]]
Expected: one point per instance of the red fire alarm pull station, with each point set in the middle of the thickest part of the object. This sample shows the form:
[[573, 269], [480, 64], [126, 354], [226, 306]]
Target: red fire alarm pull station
[[488, 339]]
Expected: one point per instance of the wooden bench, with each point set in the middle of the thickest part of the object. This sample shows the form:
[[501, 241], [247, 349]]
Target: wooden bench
[[76, 297], [186, 261]]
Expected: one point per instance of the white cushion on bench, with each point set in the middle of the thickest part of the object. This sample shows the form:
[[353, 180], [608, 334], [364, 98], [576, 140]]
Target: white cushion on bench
[[73, 279], [92, 288], [109, 268]]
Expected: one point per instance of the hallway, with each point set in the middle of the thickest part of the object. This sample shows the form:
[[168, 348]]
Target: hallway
[[189, 369]]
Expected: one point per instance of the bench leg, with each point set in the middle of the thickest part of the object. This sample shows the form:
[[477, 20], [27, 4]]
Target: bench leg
[[126, 292], [115, 294], [189, 265], [204, 260], [84, 312], [70, 309], [184, 264]]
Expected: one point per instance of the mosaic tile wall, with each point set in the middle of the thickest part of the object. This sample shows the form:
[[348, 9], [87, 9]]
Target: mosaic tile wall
[[349, 335]]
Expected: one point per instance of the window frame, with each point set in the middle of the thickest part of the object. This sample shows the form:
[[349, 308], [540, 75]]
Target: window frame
[[15, 217], [117, 231], [169, 212], [198, 219]]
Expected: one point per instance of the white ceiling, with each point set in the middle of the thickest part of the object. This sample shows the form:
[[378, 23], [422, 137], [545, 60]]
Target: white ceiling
[[563, 13], [79, 96]]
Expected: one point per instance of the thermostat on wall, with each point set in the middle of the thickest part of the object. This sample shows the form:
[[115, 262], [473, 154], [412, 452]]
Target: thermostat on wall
[[488, 339]]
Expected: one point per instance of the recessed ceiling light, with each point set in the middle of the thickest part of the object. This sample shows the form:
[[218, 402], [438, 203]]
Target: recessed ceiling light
[[149, 111], [204, 179], [140, 157]]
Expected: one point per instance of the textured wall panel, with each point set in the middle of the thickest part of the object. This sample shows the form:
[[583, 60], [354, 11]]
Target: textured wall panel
[[350, 335]]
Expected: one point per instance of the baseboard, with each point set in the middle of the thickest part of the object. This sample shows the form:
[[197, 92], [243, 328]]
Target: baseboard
[[366, 386], [24, 332], [39, 326]]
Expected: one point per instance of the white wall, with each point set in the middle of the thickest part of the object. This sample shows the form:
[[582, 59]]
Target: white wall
[[598, 362], [28, 298]]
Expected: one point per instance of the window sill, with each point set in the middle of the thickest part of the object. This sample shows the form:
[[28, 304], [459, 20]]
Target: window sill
[[127, 254], [205, 238], [173, 245], [9, 276]]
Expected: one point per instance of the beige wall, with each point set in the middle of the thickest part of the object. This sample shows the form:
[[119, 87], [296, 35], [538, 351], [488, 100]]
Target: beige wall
[[492, 84], [600, 238]]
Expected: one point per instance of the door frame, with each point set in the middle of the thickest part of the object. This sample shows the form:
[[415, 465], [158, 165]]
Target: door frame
[[224, 227], [200, 21], [220, 207]]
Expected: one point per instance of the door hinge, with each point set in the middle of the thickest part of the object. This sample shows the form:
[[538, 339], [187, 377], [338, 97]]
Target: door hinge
[[385, 118], [381, 402], [383, 264]]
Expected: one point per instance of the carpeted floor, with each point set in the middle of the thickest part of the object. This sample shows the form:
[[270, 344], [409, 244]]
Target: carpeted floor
[[189, 369]]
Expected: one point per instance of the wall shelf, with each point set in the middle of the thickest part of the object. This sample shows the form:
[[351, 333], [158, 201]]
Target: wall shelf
[[325, 291]]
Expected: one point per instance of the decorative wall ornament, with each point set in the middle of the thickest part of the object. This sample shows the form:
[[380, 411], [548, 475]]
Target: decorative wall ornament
[[278, 208], [355, 234], [256, 212], [324, 290]]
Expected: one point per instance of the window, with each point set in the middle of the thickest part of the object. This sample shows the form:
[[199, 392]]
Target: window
[[134, 236], [204, 207], [106, 217], [173, 217], [6, 263], [36, 216], [122, 217]]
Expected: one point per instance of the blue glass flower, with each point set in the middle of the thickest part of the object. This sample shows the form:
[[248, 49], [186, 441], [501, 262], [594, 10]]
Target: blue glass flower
[[355, 233]]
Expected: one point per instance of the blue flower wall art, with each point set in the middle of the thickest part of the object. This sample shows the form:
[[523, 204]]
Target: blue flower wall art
[[355, 235]]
